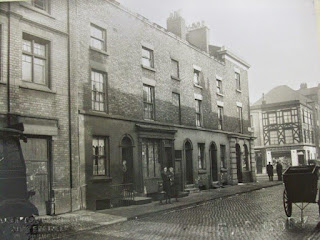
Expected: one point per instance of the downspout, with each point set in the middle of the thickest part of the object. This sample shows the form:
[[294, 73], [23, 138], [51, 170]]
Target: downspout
[[69, 104], [8, 67]]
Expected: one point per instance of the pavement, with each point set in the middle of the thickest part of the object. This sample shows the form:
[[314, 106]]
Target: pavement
[[257, 215], [84, 220]]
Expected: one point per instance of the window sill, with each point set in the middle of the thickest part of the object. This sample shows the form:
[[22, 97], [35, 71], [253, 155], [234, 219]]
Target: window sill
[[148, 68], [196, 85], [43, 12], [3, 83], [99, 51], [220, 94], [36, 87], [202, 171], [175, 78], [223, 170], [239, 91], [96, 179]]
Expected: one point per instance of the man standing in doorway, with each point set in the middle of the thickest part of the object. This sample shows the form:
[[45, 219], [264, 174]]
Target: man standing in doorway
[[124, 171]]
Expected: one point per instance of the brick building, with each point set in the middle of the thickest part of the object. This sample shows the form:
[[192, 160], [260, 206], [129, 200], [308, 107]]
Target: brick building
[[96, 84], [286, 127]]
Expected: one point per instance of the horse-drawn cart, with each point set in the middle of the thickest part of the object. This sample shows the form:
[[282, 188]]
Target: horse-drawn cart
[[301, 186]]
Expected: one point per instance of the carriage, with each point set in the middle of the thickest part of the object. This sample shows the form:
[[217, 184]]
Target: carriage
[[301, 187]]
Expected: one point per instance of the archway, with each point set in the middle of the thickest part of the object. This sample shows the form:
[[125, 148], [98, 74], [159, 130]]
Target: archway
[[127, 155], [238, 157], [189, 162], [214, 162]]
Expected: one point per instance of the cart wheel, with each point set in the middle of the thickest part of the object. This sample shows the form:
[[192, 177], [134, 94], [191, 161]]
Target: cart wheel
[[287, 204]]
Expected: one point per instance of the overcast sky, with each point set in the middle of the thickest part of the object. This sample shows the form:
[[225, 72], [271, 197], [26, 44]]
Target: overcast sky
[[276, 37]]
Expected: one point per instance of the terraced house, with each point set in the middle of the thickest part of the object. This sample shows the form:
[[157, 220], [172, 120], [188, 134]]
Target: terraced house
[[95, 84]]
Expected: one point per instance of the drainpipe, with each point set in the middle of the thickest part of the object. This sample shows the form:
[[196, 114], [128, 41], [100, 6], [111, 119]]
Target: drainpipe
[[8, 67], [69, 103]]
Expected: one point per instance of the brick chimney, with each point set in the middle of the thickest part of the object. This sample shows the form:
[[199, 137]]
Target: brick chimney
[[303, 86], [177, 25], [198, 35]]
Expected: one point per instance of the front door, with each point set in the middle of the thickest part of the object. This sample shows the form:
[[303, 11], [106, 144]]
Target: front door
[[214, 167], [127, 155], [36, 154], [189, 164]]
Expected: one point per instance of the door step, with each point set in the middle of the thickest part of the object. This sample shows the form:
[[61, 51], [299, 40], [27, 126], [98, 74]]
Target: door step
[[139, 201], [191, 188]]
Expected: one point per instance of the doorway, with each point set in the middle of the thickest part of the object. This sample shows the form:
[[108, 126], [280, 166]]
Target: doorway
[[189, 164], [238, 157], [36, 153], [214, 162], [127, 155], [259, 162]]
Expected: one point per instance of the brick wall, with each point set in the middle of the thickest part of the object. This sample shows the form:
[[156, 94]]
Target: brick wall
[[126, 34], [40, 102]]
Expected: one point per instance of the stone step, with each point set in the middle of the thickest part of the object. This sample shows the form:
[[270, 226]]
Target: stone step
[[192, 190], [139, 201], [183, 194], [189, 186]]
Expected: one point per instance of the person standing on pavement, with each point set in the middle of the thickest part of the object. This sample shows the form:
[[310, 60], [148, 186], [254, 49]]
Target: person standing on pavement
[[173, 184], [270, 171], [279, 171], [170, 176], [165, 183]]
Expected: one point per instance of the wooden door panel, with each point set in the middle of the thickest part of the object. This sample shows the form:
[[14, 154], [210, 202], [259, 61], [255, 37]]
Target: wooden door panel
[[36, 156]]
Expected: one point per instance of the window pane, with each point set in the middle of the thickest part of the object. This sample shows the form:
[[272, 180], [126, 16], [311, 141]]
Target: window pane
[[196, 76], [39, 71], [40, 4], [174, 68], [26, 68], [288, 136], [146, 53], [97, 32], [98, 91], [39, 49], [26, 46], [97, 43], [146, 62]]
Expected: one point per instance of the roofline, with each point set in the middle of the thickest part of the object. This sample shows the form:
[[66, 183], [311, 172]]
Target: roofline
[[278, 104], [227, 52], [165, 31]]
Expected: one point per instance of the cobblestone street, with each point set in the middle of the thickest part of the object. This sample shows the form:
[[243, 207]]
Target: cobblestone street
[[254, 215]]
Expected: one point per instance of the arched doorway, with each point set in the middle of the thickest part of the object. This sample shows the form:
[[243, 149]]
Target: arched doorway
[[246, 158], [238, 157], [214, 162], [127, 155], [189, 162]]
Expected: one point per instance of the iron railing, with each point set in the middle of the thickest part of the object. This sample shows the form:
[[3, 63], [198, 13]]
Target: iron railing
[[121, 195]]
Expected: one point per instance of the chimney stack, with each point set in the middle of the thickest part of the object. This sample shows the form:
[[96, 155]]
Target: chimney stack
[[198, 35], [177, 25], [303, 86]]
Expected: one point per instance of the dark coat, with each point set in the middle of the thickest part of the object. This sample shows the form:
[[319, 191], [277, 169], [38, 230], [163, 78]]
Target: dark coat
[[270, 169], [165, 180], [279, 168]]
